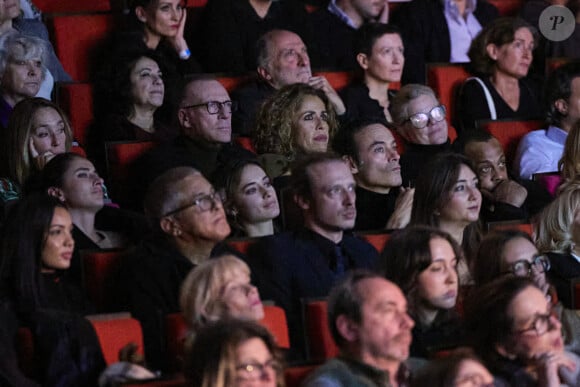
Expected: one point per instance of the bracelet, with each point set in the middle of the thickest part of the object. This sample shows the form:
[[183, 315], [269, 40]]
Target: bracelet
[[184, 54]]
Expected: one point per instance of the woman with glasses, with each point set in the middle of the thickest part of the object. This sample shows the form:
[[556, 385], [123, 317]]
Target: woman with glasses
[[234, 353], [297, 120], [423, 261], [513, 329], [501, 55], [512, 253], [557, 230], [447, 197], [419, 118], [219, 289]]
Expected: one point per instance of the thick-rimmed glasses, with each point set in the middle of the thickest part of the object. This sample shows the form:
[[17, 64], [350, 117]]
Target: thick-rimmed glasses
[[421, 120], [540, 325], [523, 268], [204, 203], [254, 371], [213, 107]]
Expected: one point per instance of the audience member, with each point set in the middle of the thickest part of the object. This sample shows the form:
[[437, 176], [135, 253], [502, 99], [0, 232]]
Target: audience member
[[368, 319], [447, 197], [371, 152], [190, 223], [12, 22], [306, 263], [204, 141], [282, 60], [540, 150], [503, 198], [423, 261], [131, 105], [295, 121], [22, 69], [558, 236], [460, 368], [37, 131], [234, 353], [439, 31], [420, 120], [512, 328], [333, 27], [229, 30], [219, 289], [512, 252], [501, 56], [568, 164], [249, 198], [73, 180], [379, 53], [37, 249], [158, 25]]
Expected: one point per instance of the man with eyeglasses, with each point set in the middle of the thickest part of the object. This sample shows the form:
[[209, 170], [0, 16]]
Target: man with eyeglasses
[[370, 324], [504, 198], [420, 119], [282, 59], [307, 262], [190, 223], [204, 142]]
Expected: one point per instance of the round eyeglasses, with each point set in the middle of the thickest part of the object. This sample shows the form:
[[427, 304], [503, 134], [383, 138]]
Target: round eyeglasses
[[540, 325], [204, 203], [523, 268], [421, 120]]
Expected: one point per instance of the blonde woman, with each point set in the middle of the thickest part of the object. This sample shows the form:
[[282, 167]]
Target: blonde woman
[[219, 288], [558, 236]]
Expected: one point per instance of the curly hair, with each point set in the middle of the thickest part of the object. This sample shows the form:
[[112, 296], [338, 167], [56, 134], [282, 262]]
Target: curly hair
[[499, 32], [275, 123]]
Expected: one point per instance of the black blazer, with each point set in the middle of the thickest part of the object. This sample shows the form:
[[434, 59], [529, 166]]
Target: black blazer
[[426, 34], [291, 266]]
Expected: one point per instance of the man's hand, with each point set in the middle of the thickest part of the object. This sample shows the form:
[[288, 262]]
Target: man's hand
[[403, 206], [510, 192], [321, 83]]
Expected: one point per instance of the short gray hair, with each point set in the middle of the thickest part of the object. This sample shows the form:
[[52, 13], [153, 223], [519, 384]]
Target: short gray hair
[[22, 47], [164, 195], [407, 93]]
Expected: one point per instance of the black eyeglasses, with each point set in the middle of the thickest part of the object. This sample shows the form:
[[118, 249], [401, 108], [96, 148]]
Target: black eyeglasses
[[523, 268], [540, 325], [420, 120], [213, 107], [204, 203]]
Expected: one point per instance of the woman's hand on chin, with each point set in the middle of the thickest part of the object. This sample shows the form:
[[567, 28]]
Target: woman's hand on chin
[[548, 365]]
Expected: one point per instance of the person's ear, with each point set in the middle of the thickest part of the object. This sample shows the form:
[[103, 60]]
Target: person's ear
[[347, 328], [363, 61], [170, 226], [264, 73], [504, 351], [562, 106], [56, 193], [183, 118], [301, 202], [492, 50], [141, 14], [351, 164]]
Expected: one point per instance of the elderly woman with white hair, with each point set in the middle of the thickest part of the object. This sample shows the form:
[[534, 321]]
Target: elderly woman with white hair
[[22, 60], [558, 236], [217, 289]]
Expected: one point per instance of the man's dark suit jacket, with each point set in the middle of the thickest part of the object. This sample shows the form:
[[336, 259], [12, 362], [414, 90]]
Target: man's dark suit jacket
[[291, 266], [426, 34]]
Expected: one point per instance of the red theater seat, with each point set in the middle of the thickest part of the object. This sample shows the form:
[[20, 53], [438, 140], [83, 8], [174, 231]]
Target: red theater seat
[[100, 273], [76, 99], [70, 6], [507, 7], [320, 342], [377, 239], [444, 79], [116, 331]]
